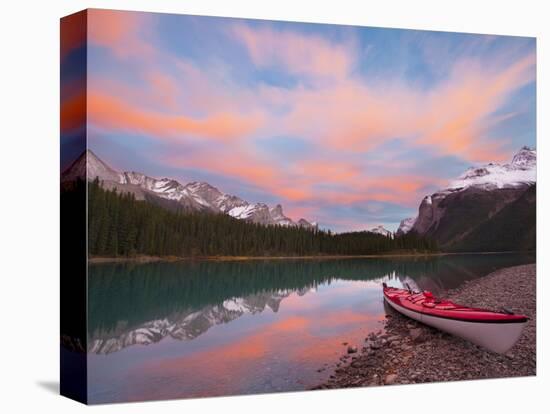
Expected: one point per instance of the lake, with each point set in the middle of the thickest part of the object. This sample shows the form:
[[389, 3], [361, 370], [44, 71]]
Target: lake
[[192, 329]]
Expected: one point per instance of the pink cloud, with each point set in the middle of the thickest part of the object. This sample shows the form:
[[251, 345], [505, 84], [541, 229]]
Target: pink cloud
[[451, 118], [299, 54], [119, 31], [457, 116]]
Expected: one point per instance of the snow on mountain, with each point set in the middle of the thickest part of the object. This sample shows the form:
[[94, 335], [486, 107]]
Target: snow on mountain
[[476, 196], [227, 202], [304, 223], [194, 195], [522, 170], [406, 225], [204, 194], [381, 230], [242, 212]]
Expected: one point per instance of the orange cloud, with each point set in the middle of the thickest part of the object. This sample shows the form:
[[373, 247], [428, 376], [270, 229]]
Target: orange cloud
[[112, 112], [403, 189], [297, 183], [458, 113], [237, 163], [295, 193], [119, 31], [327, 171], [73, 111], [299, 212], [351, 114]]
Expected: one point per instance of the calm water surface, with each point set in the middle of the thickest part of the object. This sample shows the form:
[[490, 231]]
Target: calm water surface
[[189, 329]]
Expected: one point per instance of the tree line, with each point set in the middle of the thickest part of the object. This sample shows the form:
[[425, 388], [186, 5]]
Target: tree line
[[120, 225]]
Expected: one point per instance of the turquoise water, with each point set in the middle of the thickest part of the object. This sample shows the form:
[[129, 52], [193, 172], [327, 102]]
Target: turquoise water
[[190, 329]]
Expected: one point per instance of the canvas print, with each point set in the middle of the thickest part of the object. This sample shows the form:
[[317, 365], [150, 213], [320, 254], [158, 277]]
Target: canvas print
[[254, 206]]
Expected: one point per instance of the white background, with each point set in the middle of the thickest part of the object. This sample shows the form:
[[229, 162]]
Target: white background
[[29, 207]]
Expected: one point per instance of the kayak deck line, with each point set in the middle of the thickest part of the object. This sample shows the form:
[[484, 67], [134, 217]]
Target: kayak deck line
[[426, 303]]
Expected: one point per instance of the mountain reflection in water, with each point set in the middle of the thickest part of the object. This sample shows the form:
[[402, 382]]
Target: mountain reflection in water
[[143, 303]]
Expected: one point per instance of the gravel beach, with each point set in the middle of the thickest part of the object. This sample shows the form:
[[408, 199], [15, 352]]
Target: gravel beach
[[406, 352]]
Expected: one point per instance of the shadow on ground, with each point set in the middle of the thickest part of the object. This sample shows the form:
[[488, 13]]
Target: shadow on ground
[[50, 386]]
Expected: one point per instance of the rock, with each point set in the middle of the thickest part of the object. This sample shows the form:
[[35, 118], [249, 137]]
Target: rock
[[344, 343], [390, 379], [352, 349], [375, 345], [416, 334], [393, 338]]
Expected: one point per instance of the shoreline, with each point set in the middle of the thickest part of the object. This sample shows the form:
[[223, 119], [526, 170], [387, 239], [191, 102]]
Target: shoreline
[[151, 259], [407, 352]]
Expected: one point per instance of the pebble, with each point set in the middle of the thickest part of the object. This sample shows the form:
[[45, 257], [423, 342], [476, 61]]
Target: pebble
[[416, 334], [352, 349], [390, 379]]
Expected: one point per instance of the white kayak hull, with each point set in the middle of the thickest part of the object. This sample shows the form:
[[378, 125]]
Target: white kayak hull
[[497, 337]]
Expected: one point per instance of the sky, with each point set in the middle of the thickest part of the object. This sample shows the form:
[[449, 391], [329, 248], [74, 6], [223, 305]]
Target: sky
[[346, 126]]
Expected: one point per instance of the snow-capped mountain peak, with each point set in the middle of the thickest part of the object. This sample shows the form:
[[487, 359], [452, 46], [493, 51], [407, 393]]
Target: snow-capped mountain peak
[[406, 225], [526, 158], [475, 196], [195, 195], [380, 229], [520, 171], [90, 166], [304, 223]]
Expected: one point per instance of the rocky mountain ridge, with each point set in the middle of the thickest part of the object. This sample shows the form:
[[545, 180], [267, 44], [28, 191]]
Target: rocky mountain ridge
[[452, 215], [194, 196]]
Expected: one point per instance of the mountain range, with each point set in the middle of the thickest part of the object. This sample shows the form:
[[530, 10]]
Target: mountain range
[[169, 193], [488, 208]]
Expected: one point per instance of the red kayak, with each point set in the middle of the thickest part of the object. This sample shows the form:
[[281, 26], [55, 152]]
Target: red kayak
[[496, 331]]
